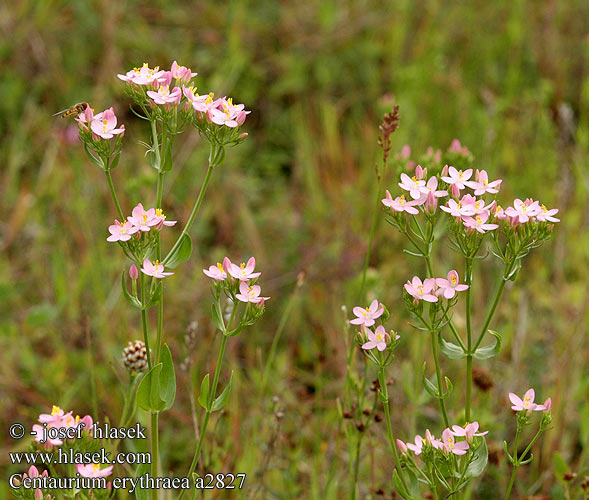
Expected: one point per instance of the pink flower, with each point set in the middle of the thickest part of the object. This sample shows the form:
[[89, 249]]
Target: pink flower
[[547, 215], [133, 272], [482, 184], [227, 114], [164, 96], [367, 315], [143, 219], [154, 269], [457, 178], [458, 148], [431, 440], [405, 152], [86, 117], [468, 431], [458, 209], [160, 219], [105, 124], [203, 103], [216, 272], [546, 406], [182, 73], [250, 293], [478, 223], [401, 446], [432, 187], [40, 432], [448, 287], [522, 211], [243, 272], [421, 291], [416, 448], [121, 232], [399, 204], [526, 404], [33, 473], [143, 75], [93, 470], [53, 418], [412, 184], [449, 446], [378, 338]]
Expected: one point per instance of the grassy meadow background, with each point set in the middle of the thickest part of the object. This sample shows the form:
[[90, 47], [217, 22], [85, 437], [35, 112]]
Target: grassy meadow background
[[508, 78]]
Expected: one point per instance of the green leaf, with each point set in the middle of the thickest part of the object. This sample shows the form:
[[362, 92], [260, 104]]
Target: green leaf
[[429, 386], [560, 466], [221, 401], [203, 399], [451, 350], [413, 484], [97, 161], [132, 300], [148, 393], [141, 493], [181, 253], [489, 351], [168, 378], [479, 462], [217, 318]]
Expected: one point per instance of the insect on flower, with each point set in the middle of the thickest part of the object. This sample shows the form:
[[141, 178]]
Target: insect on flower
[[76, 109]]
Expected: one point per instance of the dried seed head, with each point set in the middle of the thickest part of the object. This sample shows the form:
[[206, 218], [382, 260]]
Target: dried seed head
[[482, 378], [135, 357]]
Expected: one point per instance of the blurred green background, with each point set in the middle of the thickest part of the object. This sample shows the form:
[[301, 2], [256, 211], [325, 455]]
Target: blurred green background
[[508, 78]]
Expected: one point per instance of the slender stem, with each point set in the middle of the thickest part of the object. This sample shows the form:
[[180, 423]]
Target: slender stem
[[355, 467], [114, 194], [491, 311], [529, 447], [383, 387], [468, 281], [439, 377], [197, 205], [430, 268], [144, 320], [515, 465], [154, 450]]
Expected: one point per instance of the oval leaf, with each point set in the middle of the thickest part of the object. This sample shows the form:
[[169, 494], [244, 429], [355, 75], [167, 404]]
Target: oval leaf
[[141, 493], [181, 253], [148, 393], [167, 378], [220, 402], [479, 461], [451, 350], [489, 351]]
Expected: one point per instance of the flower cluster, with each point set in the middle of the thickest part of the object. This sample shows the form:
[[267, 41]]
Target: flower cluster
[[243, 276], [135, 234], [102, 125], [27, 494], [58, 419], [431, 289], [527, 403]]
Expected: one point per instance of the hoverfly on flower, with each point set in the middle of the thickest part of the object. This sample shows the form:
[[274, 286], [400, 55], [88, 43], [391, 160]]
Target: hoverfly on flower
[[78, 109]]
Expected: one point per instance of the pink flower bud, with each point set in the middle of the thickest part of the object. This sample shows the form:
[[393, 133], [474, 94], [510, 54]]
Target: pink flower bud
[[405, 152], [134, 272], [419, 172], [445, 171], [401, 446], [431, 202], [243, 136], [38, 494], [455, 190]]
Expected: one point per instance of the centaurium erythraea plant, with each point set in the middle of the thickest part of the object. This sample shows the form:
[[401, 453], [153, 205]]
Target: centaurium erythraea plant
[[169, 102]]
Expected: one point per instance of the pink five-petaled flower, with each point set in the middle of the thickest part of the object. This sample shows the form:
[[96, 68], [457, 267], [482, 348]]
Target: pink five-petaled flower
[[482, 184], [456, 179], [243, 272], [478, 222], [53, 418], [546, 406], [432, 187], [226, 113], [412, 184], [250, 293], [526, 404], [378, 338], [216, 272], [449, 286], [399, 204], [421, 291], [468, 431], [93, 470], [367, 315], [547, 215], [458, 209], [121, 232], [450, 446], [165, 96], [143, 219], [142, 76], [522, 211], [160, 219], [105, 124], [418, 446], [155, 269]]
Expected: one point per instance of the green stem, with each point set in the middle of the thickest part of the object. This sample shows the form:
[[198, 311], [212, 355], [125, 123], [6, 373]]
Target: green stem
[[491, 312], [439, 377], [195, 209], [154, 450], [468, 281], [529, 447], [515, 464], [355, 467], [385, 392], [114, 195], [144, 320]]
